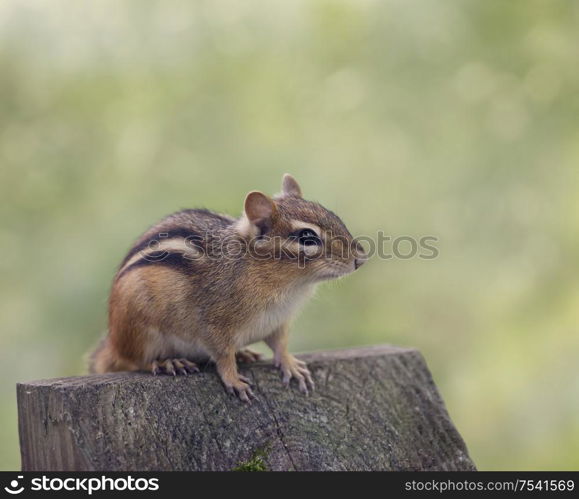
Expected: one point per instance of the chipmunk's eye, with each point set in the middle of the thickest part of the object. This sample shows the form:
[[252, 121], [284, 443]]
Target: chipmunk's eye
[[307, 237]]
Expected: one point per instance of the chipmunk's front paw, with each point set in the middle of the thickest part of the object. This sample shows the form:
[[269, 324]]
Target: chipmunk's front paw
[[240, 387], [174, 367], [247, 356], [291, 367]]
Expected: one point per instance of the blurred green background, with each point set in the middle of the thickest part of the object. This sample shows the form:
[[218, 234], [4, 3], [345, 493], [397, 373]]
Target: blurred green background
[[457, 119]]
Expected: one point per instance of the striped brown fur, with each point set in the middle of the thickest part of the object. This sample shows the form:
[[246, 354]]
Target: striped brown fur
[[178, 297]]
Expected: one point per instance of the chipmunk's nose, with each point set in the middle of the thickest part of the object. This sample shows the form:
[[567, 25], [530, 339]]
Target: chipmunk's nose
[[358, 262]]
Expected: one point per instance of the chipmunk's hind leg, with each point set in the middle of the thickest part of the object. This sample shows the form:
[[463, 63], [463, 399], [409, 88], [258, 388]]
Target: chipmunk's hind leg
[[247, 356], [173, 367]]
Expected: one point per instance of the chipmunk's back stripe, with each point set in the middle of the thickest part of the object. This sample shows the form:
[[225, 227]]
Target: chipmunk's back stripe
[[164, 247], [177, 261], [194, 239]]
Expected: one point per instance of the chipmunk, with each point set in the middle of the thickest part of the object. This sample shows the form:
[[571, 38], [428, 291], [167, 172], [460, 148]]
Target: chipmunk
[[202, 286]]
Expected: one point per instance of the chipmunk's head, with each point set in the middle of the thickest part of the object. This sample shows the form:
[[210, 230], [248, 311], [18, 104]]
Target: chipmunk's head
[[298, 236]]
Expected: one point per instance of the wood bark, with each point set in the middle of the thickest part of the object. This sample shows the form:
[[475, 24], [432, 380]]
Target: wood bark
[[374, 408]]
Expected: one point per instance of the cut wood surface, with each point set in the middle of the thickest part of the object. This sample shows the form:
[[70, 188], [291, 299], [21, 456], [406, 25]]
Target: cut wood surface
[[374, 408]]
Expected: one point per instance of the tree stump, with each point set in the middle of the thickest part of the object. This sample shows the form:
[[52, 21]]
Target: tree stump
[[374, 408]]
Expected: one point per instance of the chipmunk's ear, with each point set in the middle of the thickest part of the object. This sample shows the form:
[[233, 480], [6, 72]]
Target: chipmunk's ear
[[290, 186], [259, 212]]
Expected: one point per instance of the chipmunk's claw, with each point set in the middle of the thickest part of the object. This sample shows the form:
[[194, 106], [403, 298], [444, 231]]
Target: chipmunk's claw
[[298, 370], [242, 389], [247, 356], [174, 367], [245, 379], [189, 366], [169, 367]]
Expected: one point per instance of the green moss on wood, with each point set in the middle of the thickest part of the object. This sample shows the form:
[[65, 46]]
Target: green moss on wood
[[256, 463]]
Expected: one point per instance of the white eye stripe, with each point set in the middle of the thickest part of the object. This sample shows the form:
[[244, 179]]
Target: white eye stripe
[[311, 250], [297, 248]]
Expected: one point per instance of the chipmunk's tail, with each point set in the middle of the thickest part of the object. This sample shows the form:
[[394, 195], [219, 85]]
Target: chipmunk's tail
[[105, 359], [101, 359]]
